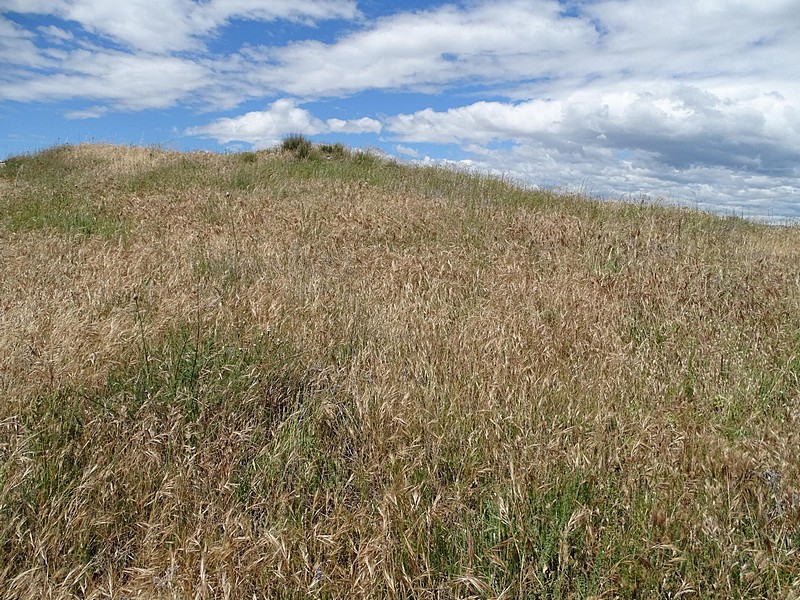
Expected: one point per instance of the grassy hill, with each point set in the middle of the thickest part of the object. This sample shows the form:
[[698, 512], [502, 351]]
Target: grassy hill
[[311, 372]]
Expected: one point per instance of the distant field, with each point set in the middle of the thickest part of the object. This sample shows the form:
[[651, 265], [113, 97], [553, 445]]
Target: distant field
[[311, 372]]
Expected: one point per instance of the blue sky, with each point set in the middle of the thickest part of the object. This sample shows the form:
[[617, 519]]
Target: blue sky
[[695, 102]]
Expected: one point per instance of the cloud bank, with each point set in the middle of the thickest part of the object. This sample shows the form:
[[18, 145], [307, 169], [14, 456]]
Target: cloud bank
[[264, 129]]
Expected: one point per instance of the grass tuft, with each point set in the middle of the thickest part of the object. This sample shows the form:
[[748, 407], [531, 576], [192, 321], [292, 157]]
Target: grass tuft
[[299, 146]]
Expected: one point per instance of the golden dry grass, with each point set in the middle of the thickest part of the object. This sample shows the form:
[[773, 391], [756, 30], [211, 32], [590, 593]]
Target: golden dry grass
[[258, 376]]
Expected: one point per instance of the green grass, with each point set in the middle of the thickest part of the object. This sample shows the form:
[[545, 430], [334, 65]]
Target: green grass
[[64, 212], [55, 198]]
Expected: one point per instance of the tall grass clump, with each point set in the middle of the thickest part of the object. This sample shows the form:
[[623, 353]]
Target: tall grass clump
[[298, 145], [270, 377]]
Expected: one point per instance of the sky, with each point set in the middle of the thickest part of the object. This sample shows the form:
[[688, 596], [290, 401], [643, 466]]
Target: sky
[[690, 102]]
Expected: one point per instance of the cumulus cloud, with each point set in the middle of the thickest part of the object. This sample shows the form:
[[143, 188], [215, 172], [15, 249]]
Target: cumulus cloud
[[266, 128], [479, 122], [683, 125]]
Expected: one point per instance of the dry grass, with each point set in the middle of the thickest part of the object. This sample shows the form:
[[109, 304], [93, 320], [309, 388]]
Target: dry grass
[[259, 376]]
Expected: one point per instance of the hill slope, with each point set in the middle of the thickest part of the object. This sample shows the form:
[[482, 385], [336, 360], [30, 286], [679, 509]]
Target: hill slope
[[274, 374]]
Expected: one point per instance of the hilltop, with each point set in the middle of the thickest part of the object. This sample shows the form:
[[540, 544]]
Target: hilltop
[[314, 371]]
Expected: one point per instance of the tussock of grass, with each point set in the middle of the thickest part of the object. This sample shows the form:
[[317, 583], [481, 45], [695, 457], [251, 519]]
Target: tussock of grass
[[280, 375]]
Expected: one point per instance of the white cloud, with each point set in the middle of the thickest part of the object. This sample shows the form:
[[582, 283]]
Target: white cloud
[[55, 33], [93, 112], [407, 151], [266, 128], [529, 49], [306, 11], [18, 48], [128, 81], [362, 125], [679, 122], [146, 72], [479, 122], [176, 25], [426, 50]]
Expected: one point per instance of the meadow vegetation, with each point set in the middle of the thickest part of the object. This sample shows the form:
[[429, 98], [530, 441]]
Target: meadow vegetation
[[314, 372]]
